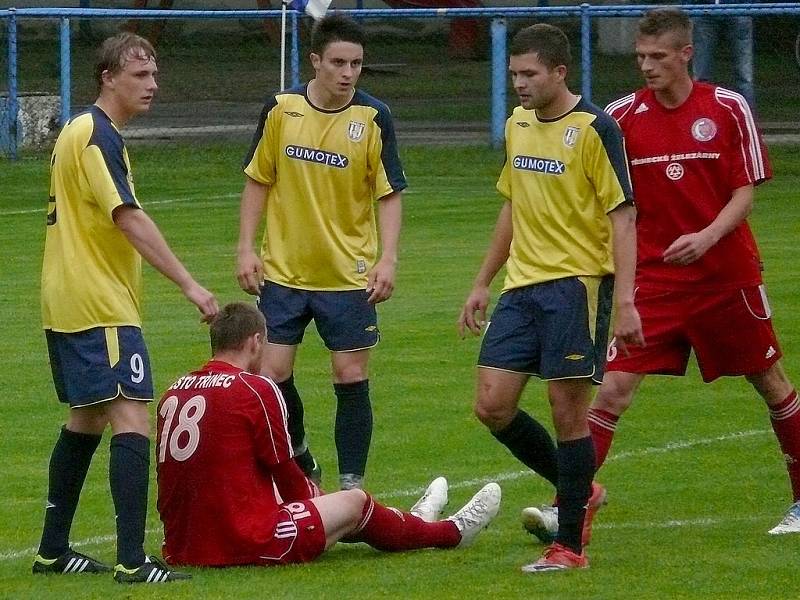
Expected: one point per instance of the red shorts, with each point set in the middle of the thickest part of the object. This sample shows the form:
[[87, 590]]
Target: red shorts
[[730, 332], [298, 537]]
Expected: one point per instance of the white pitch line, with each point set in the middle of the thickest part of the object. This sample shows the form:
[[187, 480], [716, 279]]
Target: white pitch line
[[30, 552], [675, 523], [512, 475], [149, 203], [509, 476], [32, 211]]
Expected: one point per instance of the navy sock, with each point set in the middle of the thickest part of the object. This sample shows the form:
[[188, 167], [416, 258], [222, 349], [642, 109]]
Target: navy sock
[[295, 424], [128, 473], [531, 444], [69, 464], [575, 472], [353, 430]]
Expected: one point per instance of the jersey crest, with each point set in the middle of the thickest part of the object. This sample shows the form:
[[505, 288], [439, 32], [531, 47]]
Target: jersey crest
[[704, 129], [355, 130], [571, 136]]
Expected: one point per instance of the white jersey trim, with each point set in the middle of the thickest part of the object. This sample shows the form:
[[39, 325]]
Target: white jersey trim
[[620, 103], [748, 132]]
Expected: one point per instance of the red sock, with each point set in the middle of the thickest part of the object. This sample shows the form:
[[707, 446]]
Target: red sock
[[785, 419], [602, 425], [390, 530]]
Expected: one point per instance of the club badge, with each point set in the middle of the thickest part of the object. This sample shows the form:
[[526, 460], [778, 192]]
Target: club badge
[[355, 130], [571, 136], [704, 129]]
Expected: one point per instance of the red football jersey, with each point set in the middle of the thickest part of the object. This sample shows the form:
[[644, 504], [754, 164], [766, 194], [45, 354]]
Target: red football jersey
[[220, 430], [685, 164]]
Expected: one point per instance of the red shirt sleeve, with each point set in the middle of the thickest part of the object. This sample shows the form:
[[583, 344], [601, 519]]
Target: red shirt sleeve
[[292, 483], [750, 163], [271, 436]]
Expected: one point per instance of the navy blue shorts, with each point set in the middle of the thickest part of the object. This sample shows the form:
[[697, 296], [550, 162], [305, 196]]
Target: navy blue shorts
[[553, 330], [99, 364], [345, 320]]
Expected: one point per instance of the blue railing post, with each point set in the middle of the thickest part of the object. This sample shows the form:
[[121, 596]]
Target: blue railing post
[[498, 88], [13, 104], [586, 52], [295, 50], [66, 71]]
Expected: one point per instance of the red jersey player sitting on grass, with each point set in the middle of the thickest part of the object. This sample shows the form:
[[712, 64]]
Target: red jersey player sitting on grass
[[230, 492]]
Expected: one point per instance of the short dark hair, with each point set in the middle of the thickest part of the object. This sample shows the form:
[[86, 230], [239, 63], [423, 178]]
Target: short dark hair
[[234, 324], [117, 50], [547, 41], [336, 28], [667, 20]]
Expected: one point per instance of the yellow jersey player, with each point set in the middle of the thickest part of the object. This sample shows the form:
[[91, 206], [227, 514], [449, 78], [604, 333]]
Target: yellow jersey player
[[96, 235], [567, 198], [322, 155]]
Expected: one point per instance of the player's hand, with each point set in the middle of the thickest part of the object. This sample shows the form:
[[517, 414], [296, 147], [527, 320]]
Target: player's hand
[[204, 300], [628, 328], [250, 272], [380, 281], [688, 248], [473, 314]]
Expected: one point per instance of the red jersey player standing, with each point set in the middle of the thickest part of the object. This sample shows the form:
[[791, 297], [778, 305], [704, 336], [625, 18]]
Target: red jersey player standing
[[695, 155], [223, 443]]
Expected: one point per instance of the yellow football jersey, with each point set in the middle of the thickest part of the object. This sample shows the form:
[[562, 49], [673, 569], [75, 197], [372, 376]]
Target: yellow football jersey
[[91, 276], [562, 177], [325, 170]]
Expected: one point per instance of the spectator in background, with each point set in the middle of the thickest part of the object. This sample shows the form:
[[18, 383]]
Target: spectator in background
[[737, 32]]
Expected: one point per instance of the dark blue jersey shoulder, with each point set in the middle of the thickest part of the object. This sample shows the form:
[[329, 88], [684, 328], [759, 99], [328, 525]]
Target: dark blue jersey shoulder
[[271, 102], [611, 137], [109, 141], [389, 153]]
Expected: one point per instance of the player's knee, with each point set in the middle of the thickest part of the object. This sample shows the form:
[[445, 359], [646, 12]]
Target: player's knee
[[355, 500], [494, 415], [613, 397], [128, 416], [352, 373], [277, 373], [773, 385]]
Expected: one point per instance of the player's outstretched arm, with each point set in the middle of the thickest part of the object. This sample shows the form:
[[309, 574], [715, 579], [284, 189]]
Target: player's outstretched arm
[[380, 280], [145, 236], [627, 324], [473, 313], [249, 268]]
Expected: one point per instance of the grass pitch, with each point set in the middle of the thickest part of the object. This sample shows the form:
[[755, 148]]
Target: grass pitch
[[695, 477]]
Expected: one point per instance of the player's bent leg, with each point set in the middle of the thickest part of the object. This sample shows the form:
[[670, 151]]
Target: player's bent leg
[[391, 530], [496, 406], [497, 396], [340, 513], [353, 426]]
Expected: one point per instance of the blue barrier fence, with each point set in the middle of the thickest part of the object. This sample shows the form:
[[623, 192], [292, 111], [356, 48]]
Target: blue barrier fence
[[499, 35]]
